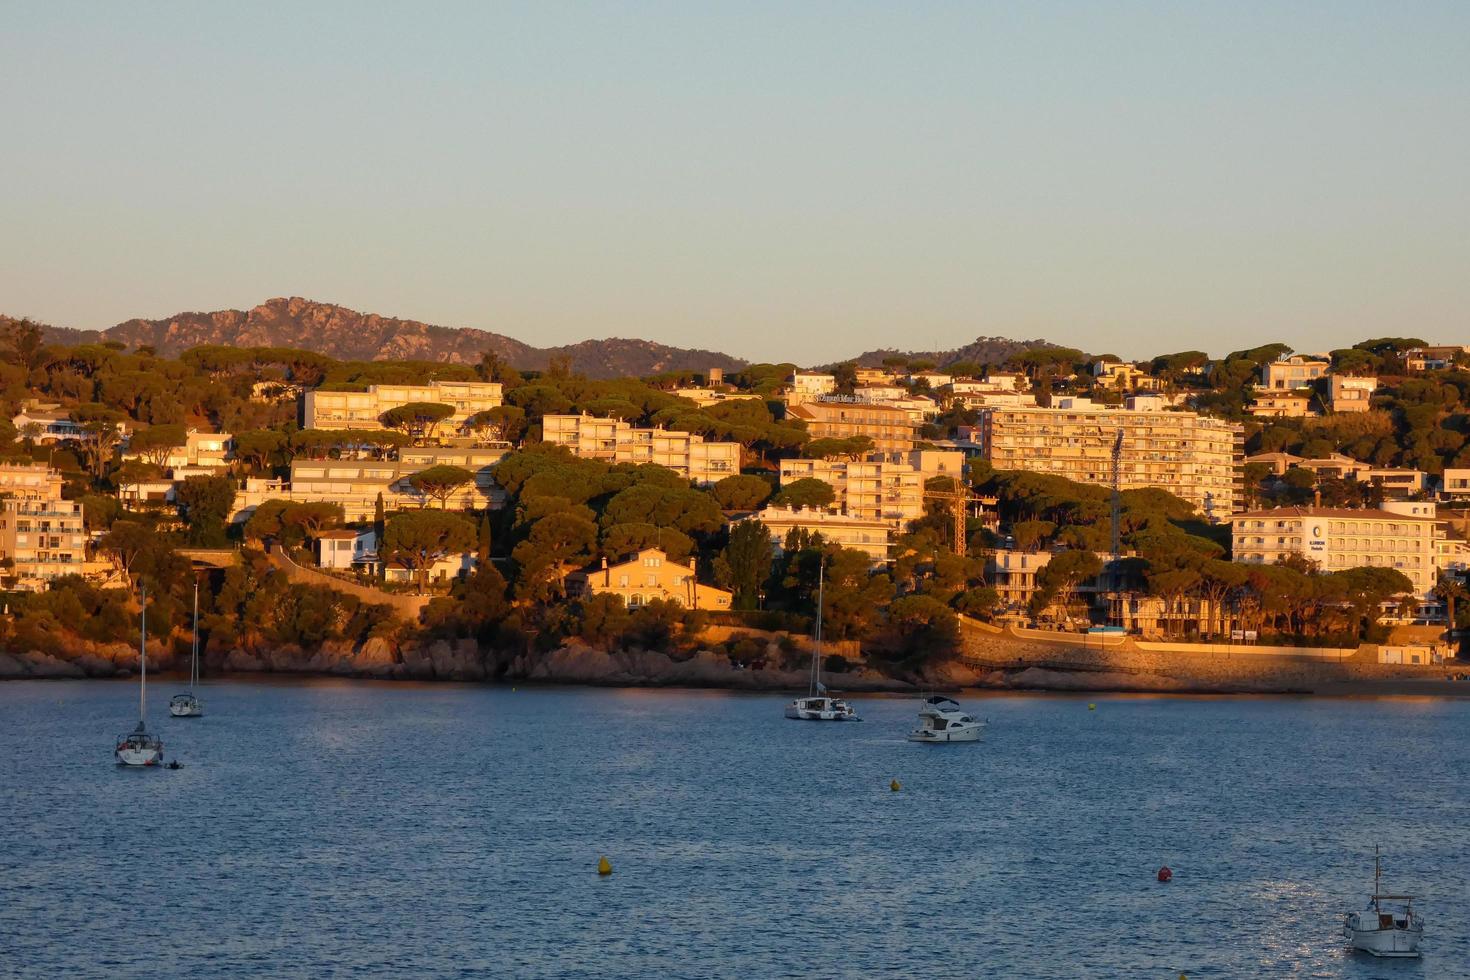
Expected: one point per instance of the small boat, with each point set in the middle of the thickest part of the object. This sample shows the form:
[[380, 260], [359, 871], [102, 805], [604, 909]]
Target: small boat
[[1389, 925], [139, 747], [188, 705], [941, 719], [817, 705]]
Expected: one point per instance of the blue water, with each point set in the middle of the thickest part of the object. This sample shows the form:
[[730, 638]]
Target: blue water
[[354, 829]]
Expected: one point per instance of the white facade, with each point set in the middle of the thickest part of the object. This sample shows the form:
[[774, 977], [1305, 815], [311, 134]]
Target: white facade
[[364, 409], [868, 536], [1193, 457], [1338, 539], [616, 441]]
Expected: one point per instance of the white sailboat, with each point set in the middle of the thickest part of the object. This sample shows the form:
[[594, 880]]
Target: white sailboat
[[817, 706], [139, 747], [188, 705], [1389, 926]]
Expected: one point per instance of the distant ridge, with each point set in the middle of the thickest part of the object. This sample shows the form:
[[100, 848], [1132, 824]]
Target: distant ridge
[[352, 336], [348, 335], [982, 351]]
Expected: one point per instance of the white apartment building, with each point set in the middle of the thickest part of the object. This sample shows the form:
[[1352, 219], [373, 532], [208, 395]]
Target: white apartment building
[[1008, 379], [1433, 358], [1350, 394], [888, 493], [1191, 456], [871, 537], [705, 397], [892, 429], [809, 385], [616, 441], [1455, 483], [29, 481], [1013, 574], [1339, 538], [985, 396], [934, 379], [342, 549], [45, 425], [1296, 371], [1292, 404], [356, 484], [40, 540], [871, 490], [201, 452], [322, 409]]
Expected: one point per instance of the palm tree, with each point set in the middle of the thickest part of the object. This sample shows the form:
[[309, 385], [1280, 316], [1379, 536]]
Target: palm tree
[[1451, 590]]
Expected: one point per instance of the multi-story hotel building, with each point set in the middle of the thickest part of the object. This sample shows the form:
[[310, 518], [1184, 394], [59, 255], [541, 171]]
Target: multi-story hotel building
[[322, 409], [29, 481], [1192, 457], [891, 428], [1338, 538], [40, 540], [616, 441]]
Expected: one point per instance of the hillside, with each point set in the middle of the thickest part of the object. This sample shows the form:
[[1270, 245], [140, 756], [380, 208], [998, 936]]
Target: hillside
[[982, 350], [349, 335]]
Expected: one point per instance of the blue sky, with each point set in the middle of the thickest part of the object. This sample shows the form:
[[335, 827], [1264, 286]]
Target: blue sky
[[780, 181]]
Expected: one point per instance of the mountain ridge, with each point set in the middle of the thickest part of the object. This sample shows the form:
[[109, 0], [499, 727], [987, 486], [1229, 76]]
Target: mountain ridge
[[349, 335]]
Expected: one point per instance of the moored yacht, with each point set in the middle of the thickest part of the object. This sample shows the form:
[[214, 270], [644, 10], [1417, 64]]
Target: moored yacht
[[1389, 926], [188, 705], [942, 719], [140, 747], [817, 705], [821, 708]]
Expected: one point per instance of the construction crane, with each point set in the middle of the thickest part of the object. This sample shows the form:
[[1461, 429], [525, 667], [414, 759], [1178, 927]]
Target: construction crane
[[957, 499], [1117, 490]]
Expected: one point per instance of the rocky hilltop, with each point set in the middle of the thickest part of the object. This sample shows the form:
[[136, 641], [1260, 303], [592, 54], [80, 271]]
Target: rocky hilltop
[[982, 350], [348, 335]]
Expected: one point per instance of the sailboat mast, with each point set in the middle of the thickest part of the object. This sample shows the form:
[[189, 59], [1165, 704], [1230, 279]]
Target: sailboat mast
[[817, 645], [194, 653], [143, 658]]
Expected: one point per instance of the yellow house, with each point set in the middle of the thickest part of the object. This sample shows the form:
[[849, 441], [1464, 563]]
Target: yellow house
[[646, 576]]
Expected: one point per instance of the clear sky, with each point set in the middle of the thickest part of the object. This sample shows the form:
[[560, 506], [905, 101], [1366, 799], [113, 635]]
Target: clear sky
[[780, 181]]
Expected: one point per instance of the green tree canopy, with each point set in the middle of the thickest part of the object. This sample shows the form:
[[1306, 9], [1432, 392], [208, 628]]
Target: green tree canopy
[[418, 539]]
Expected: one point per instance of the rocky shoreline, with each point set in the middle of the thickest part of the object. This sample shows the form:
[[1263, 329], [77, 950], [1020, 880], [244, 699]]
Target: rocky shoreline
[[465, 660]]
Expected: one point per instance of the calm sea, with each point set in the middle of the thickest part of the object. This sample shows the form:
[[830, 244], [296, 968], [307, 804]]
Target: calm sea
[[326, 829]]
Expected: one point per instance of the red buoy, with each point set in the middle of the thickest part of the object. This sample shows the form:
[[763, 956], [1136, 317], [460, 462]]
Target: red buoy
[[1165, 874]]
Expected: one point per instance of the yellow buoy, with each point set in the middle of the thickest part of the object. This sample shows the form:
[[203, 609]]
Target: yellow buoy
[[895, 786], [603, 866]]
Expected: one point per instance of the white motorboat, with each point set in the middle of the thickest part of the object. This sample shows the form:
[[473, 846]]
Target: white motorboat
[[941, 719], [140, 747], [188, 705], [1389, 926], [817, 705]]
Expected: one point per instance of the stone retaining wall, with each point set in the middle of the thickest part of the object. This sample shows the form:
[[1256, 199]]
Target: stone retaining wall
[[1220, 666], [409, 607]]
